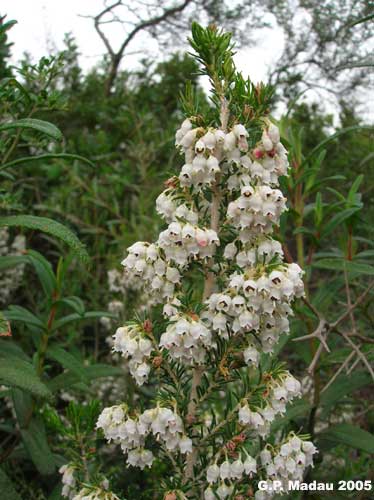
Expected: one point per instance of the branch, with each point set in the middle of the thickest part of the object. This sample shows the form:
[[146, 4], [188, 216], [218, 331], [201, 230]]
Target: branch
[[97, 24]]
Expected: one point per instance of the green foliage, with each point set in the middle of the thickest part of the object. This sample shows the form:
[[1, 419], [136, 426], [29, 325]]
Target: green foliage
[[104, 187]]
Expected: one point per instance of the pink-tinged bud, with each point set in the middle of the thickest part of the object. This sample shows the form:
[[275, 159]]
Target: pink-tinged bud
[[258, 153], [170, 496], [202, 238]]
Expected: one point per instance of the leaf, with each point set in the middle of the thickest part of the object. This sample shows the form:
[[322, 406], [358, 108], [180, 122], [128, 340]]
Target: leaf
[[36, 444], [66, 360], [15, 372], [6, 487], [68, 379], [341, 264], [48, 226], [332, 137], [44, 271], [10, 261], [337, 219], [343, 386], [71, 318], [23, 406], [42, 126], [76, 303], [18, 313], [10, 348], [349, 435], [49, 156]]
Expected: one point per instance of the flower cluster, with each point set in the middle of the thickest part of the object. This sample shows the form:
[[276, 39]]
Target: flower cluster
[[10, 278], [146, 262], [131, 432], [68, 480], [256, 210], [247, 306], [280, 392], [228, 472], [95, 493], [288, 463], [132, 342], [186, 339], [260, 250], [170, 208], [258, 302], [181, 242]]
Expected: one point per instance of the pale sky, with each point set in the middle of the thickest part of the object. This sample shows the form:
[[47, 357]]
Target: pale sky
[[43, 23]]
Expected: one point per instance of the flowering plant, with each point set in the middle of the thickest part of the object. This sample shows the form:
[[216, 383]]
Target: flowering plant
[[220, 385]]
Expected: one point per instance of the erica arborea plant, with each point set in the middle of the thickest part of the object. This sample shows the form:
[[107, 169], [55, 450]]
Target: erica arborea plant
[[217, 273]]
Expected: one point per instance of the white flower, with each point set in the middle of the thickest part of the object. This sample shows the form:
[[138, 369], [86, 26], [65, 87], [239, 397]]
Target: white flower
[[224, 491], [209, 495], [236, 469], [185, 445], [250, 465], [225, 470], [212, 473]]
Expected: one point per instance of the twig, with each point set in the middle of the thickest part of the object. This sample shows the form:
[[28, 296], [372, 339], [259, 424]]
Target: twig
[[341, 368], [358, 352]]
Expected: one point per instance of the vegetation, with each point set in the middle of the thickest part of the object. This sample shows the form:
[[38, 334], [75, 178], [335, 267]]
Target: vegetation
[[81, 167]]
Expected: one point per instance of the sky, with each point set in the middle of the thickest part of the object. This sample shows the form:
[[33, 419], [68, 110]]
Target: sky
[[43, 23]]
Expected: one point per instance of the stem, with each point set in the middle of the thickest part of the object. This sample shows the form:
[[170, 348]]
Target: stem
[[208, 289]]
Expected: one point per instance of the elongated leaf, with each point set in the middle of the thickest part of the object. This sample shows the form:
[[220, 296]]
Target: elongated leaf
[[341, 264], [35, 441], [332, 137], [44, 271], [16, 372], [48, 156], [7, 489], [349, 435], [66, 360], [71, 318], [343, 386], [69, 379], [48, 226], [10, 261], [10, 348], [338, 219], [42, 126], [18, 313], [23, 406], [75, 303]]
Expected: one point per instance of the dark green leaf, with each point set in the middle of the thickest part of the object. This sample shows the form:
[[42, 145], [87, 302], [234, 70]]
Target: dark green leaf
[[49, 156], [68, 379], [15, 372], [337, 220], [7, 489], [48, 226], [44, 271], [349, 435], [343, 386], [341, 264], [71, 318], [36, 444], [18, 313], [42, 126], [75, 303], [66, 360]]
